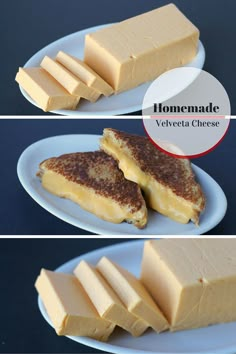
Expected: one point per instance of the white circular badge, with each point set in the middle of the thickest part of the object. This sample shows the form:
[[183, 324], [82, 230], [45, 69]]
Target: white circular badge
[[192, 122]]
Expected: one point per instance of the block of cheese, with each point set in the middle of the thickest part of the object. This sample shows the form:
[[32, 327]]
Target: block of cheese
[[192, 280], [84, 73], [133, 294], [141, 48], [45, 90], [105, 300], [69, 307], [68, 80]]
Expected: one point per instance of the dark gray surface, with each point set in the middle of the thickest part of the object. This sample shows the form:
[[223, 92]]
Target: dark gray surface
[[27, 26], [20, 214], [22, 328]]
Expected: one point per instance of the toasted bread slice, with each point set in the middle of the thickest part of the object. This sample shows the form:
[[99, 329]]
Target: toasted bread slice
[[94, 181], [168, 183]]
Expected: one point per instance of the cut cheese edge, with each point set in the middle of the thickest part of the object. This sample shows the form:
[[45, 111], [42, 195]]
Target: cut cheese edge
[[105, 300], [45, 90], [84, 73], [68, 80], [133, 294], [69, 307]]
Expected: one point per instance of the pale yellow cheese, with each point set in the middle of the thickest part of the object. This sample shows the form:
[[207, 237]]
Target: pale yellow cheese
[[192, 280], [133, 294], [45, 90], [68, 80], [157, 196], [69, 307], [84, 73], [104, 207], [142, 48], [106, 301]]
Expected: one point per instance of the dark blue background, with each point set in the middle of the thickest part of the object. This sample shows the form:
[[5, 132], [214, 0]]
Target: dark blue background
[[21, 215], [26, 26], [22, 328]]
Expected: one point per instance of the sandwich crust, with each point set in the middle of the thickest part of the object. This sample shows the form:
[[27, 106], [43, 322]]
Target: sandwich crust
[[172, 173], [98, 174]]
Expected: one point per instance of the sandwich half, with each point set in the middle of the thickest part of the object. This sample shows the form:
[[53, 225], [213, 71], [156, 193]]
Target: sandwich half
[[94, 181], [168, 183]]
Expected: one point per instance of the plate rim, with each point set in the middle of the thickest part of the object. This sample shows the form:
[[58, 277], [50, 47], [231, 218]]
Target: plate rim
[[101, 231], [78, 113], [105, 346]]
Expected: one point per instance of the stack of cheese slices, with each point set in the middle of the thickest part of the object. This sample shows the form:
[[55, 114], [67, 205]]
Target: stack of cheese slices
[[116, 58], [60, 83], [184, 284]]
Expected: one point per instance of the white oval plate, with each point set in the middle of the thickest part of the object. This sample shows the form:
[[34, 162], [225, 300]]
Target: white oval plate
[[126, 102], [214, 339], [73, 214]]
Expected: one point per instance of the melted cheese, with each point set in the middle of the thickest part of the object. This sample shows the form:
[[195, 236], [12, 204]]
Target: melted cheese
[[105, 208], [157, 196]]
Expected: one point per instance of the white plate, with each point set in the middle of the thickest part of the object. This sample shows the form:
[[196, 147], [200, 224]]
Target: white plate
[[126, 102], [73, 214], [214, 339]]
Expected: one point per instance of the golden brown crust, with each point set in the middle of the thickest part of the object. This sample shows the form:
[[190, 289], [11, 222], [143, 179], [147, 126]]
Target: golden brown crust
[[174, 173], [98, 171]]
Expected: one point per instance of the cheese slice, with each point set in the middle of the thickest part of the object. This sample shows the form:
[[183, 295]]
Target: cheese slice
[[133, 294], [45, 90], [106, 301], [69, 307], [68, 80], [84, 73], [192, 280], [141, 48]]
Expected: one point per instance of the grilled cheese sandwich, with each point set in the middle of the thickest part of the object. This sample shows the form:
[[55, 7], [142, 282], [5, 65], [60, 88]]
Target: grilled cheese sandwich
[[94, 181], [168, 183]]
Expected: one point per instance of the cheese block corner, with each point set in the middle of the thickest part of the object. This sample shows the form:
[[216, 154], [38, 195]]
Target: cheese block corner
[[141, 48], [192, 280]]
